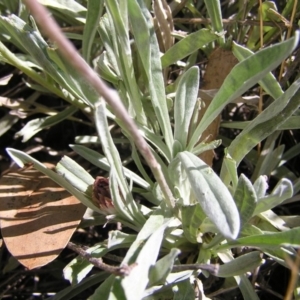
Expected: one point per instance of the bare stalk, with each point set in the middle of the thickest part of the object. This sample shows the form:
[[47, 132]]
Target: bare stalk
[[66, 48], [294, 266], [228, 22], [125, 270], [97, 262]]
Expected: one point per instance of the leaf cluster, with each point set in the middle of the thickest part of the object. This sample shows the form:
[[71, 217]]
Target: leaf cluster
[[206, 217]]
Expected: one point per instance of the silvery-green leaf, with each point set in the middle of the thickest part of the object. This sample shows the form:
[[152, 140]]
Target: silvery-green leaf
[[244, 75], [185, 101], [231, 169], [241, 265], [245, 198], [162, 268], [136, 282], [22, 158], [269, 83], [213, 196], [242, 281], [282, 191], [192, 217], [276, 239], [260, 186]]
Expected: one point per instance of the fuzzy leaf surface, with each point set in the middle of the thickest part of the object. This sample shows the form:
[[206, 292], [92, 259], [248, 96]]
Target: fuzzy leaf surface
[[213, 196]]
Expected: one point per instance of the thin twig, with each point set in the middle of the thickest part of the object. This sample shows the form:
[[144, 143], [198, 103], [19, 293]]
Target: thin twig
[[292, 69], [76, 29], [123, 270], [264, 287], [227, 22], [211, 268], [66, 48], [294, 266], [289, 33]]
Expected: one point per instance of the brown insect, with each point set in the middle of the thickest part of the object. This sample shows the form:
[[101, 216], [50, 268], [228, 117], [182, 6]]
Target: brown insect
[[101, 195]]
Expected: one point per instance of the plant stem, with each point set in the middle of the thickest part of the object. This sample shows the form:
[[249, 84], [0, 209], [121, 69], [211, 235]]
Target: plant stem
[[98, 262], [66, 48], [228, 22]]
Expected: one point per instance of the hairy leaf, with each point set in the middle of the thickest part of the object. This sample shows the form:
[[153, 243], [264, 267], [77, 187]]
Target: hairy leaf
[[212, 194]]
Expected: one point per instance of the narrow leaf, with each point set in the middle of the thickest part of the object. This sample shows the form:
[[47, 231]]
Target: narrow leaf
[[245, 198], [136, 282], [282, 191], [118, 17], [100, 161], [241, 265], [94, 12], [36, 125], [22, 158], [74, 173], [192, 217], [185, 100], [266, 123], [242, 281], [187, 46], [231, 169], [242, 77], [260, 186], [212, 194], [269, 82], [288, 238], [162, 268], [114, 160], [214, 11], [71, 292], [139, 15]]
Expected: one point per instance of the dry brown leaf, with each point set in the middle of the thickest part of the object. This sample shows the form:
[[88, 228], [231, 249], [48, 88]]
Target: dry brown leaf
[[164, 23], [219, 65], [37, 216]]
